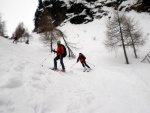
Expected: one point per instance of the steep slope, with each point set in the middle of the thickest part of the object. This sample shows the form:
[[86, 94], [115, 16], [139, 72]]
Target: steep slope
[[110, 87]]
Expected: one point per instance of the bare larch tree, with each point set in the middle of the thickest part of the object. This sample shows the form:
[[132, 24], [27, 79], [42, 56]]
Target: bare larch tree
[[115, 36], [51, 33], [2, 27], [19, 31], [46, 28], [132, 30]]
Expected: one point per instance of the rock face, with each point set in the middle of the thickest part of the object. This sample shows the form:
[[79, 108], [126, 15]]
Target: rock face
[[86, 10], [140, 6], [57, 10], [80, 14]]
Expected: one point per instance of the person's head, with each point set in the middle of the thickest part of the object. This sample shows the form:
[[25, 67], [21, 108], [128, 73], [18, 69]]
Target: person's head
[[80, 54], [58, 42]]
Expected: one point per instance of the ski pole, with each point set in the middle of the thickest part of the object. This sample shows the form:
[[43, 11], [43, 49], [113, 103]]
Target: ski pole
[[73, 65], [90, 63], [45, 59]]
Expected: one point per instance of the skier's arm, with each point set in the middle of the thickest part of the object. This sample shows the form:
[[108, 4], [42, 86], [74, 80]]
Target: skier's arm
[[59, 50], [78, 59], [54, 50]]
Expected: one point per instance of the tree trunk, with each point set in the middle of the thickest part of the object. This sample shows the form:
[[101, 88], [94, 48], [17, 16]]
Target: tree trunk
[[71, 54], [124, 49], [66, 45], [133, 45], [129, 30], [51, 41]]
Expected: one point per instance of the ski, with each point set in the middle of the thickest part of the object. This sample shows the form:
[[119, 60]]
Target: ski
[[87, 70], [54, 69], [84, 70], [57, 70]]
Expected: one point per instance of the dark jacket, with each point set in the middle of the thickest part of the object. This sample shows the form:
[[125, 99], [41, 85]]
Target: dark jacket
[[81, 58]]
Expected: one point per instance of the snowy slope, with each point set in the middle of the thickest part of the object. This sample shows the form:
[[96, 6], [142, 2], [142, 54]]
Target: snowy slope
[[110, 87]]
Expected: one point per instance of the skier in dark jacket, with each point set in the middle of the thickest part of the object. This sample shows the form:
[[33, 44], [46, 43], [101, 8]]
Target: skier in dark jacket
[[15, 39], [83, 62], [59, 52]]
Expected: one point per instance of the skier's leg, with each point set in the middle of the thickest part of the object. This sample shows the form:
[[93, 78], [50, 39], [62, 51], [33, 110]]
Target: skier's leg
[[61, 62], [83, 64], [55, 61], [86, 64]]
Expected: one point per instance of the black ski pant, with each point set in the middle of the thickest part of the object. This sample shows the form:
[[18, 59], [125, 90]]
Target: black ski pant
[[15, 41], [84, 64], [61, 61]]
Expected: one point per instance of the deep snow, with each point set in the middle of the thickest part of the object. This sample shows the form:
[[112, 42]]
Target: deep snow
[[110, 87]]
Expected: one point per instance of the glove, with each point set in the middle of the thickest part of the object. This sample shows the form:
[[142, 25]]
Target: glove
[[53, 50]]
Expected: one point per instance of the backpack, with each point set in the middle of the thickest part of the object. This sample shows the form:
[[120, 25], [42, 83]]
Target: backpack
[[65, 51]]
